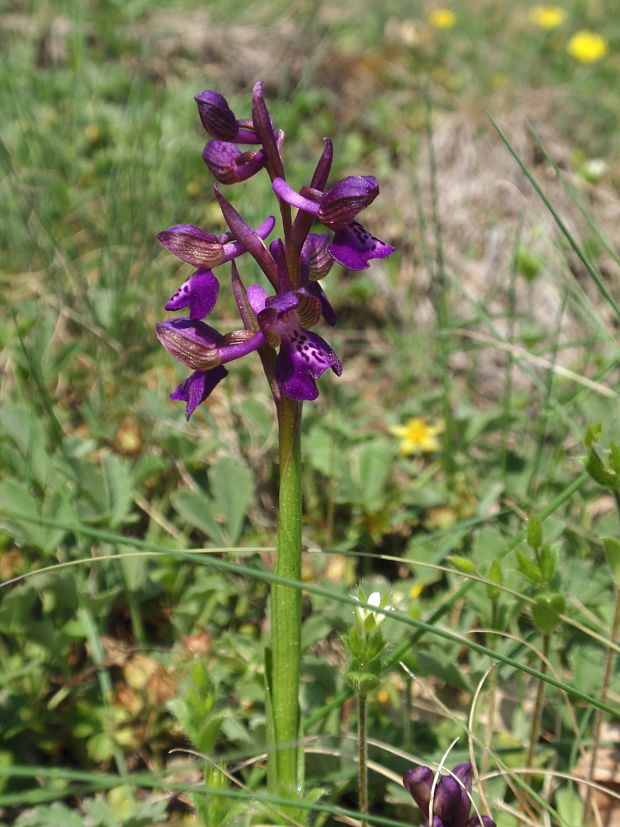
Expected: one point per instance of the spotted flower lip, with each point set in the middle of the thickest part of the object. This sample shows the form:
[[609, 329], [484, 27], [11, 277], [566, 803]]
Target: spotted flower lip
[[229, 165], [352, 246], [197, 387], [303, 355], [219, 120], [450, 797], [198, 293], [206, 250]]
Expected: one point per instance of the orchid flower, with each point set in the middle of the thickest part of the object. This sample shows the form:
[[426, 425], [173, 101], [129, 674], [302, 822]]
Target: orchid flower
[[450, 796], [303, 355], [336, 208]]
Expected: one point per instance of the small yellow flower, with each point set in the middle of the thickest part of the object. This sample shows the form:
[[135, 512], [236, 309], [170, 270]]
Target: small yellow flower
[[417, 436], [548, 17], [442, 18], [587, 47], [383, 696], [416, 590]]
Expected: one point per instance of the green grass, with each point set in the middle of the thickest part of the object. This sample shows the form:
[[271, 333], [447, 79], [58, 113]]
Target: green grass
[[109, 664]]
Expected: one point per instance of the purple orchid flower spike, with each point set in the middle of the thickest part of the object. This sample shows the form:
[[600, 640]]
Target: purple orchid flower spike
[[303, 355], [353, 246], [449, 795], [219, 120], [229, 165]]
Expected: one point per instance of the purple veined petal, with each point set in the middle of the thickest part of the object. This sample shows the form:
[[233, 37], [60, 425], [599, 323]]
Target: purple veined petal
[[197, 387], [348, 197], [353, 247], [288, 194], [257, 297], [191, 342], [199, 293], [193, 245], [216, 115], [200, 347], [316, 259], [328, 312], [228, 164], [302, 360]]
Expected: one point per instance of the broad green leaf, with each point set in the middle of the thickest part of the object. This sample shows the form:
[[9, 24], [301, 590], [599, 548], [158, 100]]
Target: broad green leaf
[[118, 481], [545, 611], [374, 461], [612, 551], [233, 489], [197, 509]]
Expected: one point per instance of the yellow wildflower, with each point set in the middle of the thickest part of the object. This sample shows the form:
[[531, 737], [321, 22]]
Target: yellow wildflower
[[418, 436], [442, 18], [416, 590], [587, 47], [548, 17]]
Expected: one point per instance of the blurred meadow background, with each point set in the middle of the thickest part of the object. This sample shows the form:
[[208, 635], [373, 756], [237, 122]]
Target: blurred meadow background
[[445, 468]]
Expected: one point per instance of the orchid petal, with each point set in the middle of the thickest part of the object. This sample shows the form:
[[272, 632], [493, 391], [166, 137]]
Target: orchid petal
[[353, 246], [316, 259], [197, 387], [228, 164], [199, 293], [301, 361], [257, 297], [348, 197], [193, 245], [329, 314]]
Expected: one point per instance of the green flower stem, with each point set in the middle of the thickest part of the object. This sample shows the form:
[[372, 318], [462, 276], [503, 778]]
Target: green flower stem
[[538, 705], [598, 719], [286, 611]]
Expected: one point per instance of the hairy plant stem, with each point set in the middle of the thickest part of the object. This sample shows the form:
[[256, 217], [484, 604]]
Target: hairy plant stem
[[538, 704], [362, 747], [607, 671], [284, 758]]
